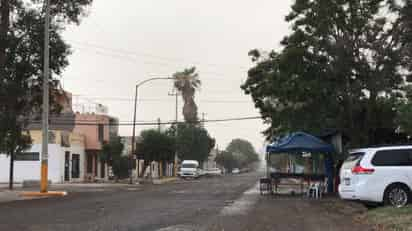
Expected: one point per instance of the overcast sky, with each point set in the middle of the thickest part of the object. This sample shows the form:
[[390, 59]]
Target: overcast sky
[[123, 42]]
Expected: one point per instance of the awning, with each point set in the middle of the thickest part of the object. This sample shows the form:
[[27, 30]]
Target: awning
[[299, 142]]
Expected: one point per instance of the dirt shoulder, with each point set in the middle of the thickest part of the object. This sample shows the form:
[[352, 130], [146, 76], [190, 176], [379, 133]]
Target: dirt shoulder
[[389, 219], [296, 213]]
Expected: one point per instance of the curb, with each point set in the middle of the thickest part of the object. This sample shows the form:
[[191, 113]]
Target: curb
[[164, 180], [45, 194]]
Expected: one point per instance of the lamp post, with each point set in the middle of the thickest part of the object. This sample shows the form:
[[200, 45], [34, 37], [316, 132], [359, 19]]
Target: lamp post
[[134, 126]]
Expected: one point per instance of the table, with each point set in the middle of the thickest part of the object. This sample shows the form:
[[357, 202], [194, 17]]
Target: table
[[303, 177]]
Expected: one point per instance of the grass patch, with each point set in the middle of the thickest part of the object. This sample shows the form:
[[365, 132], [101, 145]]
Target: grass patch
[[390, 219]]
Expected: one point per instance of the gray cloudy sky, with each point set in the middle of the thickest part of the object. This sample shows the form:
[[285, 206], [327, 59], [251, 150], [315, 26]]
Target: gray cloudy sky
[[123, 42]]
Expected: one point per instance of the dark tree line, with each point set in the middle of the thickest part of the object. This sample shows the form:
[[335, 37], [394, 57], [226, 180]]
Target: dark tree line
[[344, 66], [21, 64]]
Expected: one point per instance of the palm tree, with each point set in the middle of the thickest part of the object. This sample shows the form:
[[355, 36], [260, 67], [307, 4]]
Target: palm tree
[[187, 82]]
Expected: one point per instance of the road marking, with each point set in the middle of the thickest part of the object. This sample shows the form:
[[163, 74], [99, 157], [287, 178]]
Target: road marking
[[243, 204]]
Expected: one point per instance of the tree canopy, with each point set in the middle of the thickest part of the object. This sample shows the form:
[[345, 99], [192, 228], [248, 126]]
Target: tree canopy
[[21, 63], [343, 66], [243, 150], [187, 82], [227, 160], [112, 153], [193, 142], [156, 146]]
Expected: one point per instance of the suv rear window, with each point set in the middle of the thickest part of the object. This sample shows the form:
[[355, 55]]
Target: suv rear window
[[352, 160], [400, 157], [355, 156]]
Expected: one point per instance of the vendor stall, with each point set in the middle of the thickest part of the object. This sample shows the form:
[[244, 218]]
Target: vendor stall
[[298, 143]]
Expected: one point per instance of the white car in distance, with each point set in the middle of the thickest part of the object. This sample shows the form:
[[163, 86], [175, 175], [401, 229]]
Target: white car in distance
[[189, 169], [213, 172]]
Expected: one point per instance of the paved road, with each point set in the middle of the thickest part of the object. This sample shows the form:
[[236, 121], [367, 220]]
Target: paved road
[[149, 207], [227, 203]]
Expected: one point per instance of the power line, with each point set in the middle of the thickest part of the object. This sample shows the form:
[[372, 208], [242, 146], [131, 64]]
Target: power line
[[134, 61], [160, 100], [148, 55], [149, 123]]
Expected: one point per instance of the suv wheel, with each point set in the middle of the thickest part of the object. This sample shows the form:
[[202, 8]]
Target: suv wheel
[[397, 195]]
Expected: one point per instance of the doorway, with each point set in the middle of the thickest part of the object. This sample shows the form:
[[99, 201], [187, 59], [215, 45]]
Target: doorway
[[76, 166], [102, 169], [67, 166]]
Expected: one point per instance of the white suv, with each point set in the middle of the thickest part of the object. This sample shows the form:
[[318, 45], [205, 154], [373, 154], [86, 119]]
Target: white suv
[[381, 174]]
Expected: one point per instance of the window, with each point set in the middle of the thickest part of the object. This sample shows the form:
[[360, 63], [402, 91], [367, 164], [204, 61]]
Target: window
[[356, 156], [352, 160], [189, 165], [400, 157], [101, 132], [27, 156]]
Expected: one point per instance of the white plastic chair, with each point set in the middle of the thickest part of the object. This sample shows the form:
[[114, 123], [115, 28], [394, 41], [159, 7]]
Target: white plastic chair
[[315, 190]]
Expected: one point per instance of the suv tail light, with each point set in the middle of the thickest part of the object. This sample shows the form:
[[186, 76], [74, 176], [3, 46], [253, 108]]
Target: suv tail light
[[361, 170]]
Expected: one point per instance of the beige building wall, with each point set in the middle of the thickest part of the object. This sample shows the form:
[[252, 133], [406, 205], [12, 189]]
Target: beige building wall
[[90, 129]]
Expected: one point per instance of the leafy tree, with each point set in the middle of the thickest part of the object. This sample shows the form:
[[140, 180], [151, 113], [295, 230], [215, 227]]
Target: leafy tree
[[21, 63], [156, 146], [404, 114], [227, 160], [112, 154], [187, 82], [243, 150], [193, 142], [342, 67]]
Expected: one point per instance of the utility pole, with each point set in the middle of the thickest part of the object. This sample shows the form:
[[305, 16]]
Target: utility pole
[[45, 125], [203, 119], [158, 124], [176, 94]]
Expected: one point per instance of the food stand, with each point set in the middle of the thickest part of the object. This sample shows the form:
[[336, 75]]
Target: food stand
[[293, 144]]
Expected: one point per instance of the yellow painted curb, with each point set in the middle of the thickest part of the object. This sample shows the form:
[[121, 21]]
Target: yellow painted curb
[[46, 194]]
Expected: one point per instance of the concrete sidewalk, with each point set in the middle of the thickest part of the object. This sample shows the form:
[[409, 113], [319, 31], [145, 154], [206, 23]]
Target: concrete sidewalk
[[15, 195], [165, 180], [9, 196]]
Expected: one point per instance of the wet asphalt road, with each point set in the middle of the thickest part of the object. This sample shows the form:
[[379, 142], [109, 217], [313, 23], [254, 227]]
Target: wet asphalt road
[[183, 205]]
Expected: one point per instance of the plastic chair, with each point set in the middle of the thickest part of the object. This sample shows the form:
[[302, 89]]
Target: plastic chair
[[265, 185], [315, 190]]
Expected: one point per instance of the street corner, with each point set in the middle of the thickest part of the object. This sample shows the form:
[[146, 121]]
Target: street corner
[[31, 194], [18, 195]]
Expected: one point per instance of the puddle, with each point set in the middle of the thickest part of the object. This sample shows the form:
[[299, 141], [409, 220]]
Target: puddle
[[179, 228], [243, 204]]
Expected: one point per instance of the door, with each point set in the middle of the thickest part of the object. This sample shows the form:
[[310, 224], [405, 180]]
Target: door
[[67, 166], [75, 166], [102, 169]]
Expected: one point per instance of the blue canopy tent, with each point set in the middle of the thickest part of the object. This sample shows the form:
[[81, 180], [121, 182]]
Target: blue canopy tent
[[302, 142]]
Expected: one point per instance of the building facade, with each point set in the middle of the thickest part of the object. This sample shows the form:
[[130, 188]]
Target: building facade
[[75, 144], [97, 130]]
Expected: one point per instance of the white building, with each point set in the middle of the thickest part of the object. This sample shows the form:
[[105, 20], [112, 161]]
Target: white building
[[210, 163], [65, 160]]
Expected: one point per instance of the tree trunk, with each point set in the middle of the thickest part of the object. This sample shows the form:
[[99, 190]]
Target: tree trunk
[[11, 174], [4, 28]]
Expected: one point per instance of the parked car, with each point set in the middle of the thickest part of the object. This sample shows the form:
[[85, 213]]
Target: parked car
[[189, 169], [213, 172], [379, 174], [235, 171]]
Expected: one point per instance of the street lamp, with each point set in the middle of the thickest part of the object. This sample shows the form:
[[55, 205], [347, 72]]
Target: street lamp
[[134, 126]]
